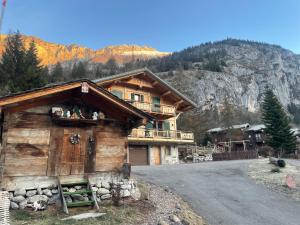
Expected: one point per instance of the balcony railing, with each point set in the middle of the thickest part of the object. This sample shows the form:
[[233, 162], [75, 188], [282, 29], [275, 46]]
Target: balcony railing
[[154, 108], [162, 134]]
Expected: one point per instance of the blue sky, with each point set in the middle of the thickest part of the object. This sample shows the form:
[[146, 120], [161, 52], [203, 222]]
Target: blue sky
[[168, 25]]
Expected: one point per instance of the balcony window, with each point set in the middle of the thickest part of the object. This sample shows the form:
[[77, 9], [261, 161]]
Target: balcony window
[[137, 97], [168, 150]]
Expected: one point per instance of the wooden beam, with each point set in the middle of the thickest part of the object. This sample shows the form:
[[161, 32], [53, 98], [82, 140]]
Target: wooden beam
[[154, 83], [165, 93]]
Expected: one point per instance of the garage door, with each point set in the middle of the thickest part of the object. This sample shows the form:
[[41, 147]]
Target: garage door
[[138, 155]]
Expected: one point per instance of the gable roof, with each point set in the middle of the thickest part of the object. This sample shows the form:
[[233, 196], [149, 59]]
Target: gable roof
[[10, 101], [104, 80]]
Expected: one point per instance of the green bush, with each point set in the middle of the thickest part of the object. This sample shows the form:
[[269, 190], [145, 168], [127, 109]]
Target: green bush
[[281, 163]]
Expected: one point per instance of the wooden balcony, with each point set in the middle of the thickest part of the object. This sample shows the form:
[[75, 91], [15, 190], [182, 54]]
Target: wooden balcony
[[153, 135], [155, 108]]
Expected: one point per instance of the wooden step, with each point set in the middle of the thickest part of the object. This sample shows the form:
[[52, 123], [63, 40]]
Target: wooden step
[[80, 183], [80, 203], [78, 192]]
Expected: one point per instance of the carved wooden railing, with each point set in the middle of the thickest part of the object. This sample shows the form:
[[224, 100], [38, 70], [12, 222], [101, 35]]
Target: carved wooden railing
[[154, 108], [164, 134]]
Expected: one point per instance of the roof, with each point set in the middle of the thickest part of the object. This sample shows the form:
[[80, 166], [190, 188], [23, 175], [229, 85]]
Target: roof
[[256, 127], [11, 99], [150, 73], [219, 129]]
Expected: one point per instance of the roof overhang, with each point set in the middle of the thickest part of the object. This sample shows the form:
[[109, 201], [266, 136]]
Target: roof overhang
[[181, 102]]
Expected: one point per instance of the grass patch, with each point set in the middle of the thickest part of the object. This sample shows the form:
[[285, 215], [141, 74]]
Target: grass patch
[[131, 213]]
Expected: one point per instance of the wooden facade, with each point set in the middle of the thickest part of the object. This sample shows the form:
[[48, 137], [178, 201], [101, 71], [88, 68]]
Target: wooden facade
[[147, 92], [36, 144]]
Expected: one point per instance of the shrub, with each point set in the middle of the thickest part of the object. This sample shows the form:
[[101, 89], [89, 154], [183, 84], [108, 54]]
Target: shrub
[[275, 170], [281, 163]]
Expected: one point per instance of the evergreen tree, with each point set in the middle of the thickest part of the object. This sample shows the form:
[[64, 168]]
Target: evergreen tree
[[112, 66], [78, 71], [57, 74], [35, 75], [12, 67], [280, 136]]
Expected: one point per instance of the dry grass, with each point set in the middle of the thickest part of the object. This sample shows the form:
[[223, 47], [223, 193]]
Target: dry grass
[[188, 215], [261, 171]]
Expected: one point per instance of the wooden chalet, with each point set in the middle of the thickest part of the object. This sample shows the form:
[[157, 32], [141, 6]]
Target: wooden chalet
[[156, 142], [69, 129]]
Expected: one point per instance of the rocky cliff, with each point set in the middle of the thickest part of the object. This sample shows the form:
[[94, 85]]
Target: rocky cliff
[[51, 53], [244, 70]]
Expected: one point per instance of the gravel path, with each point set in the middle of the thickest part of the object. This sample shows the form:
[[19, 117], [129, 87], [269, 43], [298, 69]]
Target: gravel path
[[223, 193]]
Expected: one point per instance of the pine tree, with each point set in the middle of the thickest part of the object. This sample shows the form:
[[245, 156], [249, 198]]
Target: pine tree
[[57, 74], [78, 71], [280, 136], [12, 67], [35, 75]]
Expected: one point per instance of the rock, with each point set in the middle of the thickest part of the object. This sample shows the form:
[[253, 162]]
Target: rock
[[72, 190], [39, 191], [14, 205], [103, 191], [23, 204], [78, 187], [184, 222], [135, 194], [54, 199], [47, 192], [94, 189], [68, 199], [65, 189], [174, 219], [105, 184], [98, 199], [178, 206], [126, 186], [77, 197], [11, 195], [31, 193], [162, 222], [36, 198], [125, 193], [86, 198], [18, 199], [54, 191], [20, 191], [106, 196]]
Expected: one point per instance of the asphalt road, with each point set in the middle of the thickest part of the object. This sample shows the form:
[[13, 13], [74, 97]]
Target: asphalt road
[[222, 193]]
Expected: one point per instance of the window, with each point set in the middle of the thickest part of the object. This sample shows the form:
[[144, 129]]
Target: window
[[168, 150], [117, 93], [137, 97]]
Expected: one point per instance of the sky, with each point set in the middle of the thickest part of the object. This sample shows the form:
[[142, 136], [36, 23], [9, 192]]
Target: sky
[[167, 25]]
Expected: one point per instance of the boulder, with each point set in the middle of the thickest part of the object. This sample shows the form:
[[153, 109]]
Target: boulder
[[77, 197], [106, 196], [72, 190], [11, 195], [39, 191], [31, 193], [135, 194], [65, 189], [37, 198], [14, 205], [86, 198], [54, 199], [78, 187], [174, 219], [23, 204], [125, 193], [103, 191], [54, 191], [178, 206], [47, 192], [18, 199], [105, 184], [162, 222], [20, 191], [126, 186]]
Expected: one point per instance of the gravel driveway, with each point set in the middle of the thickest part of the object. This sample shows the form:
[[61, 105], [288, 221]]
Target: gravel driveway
[[222, 193]]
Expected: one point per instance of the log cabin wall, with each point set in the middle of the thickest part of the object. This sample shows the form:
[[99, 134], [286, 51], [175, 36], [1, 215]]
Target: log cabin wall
[[33, 144]]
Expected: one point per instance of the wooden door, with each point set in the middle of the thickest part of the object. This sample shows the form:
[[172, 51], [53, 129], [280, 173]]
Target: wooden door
[[73, 154], [156, 154]]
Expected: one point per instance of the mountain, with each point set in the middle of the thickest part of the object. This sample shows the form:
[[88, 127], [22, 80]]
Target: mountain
[[51, 53], [234, 69]]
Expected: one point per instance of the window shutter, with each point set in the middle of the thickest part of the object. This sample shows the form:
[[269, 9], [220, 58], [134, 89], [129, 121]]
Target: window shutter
[[142, 98], [132, 96]]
